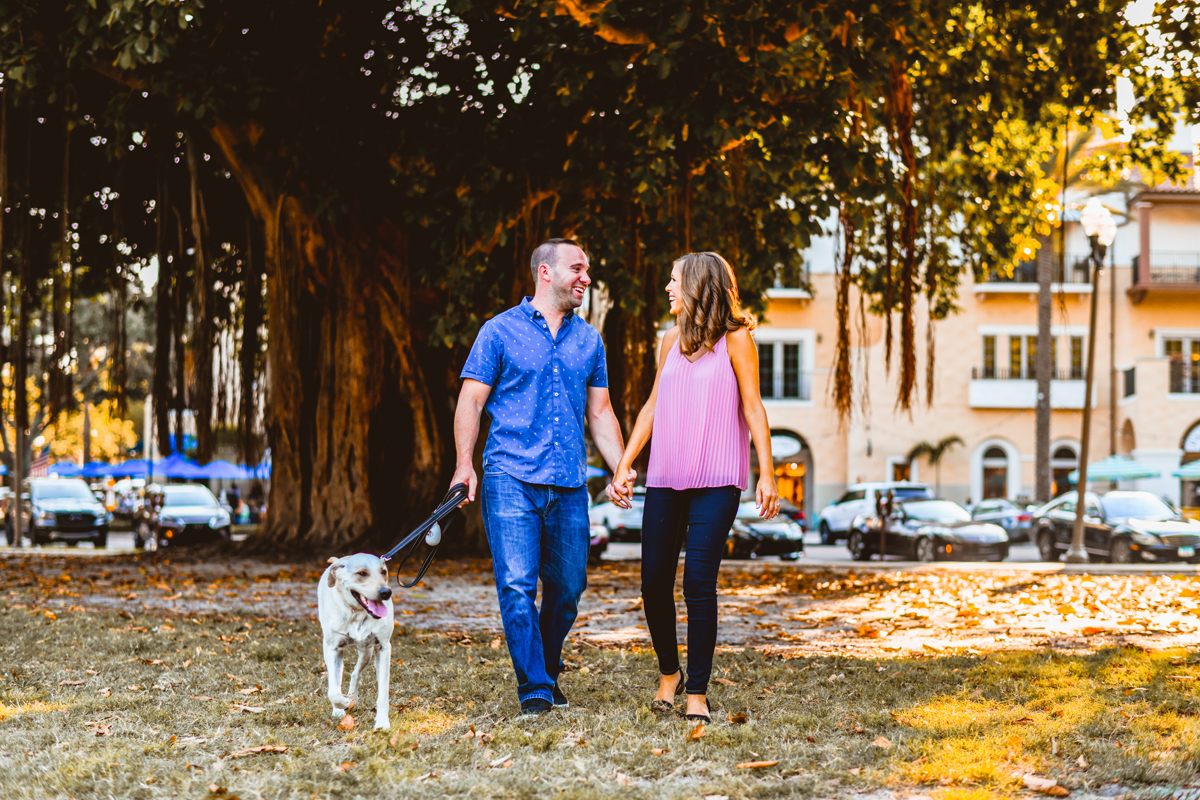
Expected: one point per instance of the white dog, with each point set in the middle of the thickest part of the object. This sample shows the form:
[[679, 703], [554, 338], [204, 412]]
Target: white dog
[[354, 604]]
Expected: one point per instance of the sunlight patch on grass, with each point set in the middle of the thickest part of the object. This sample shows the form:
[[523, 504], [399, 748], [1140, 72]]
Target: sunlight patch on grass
[[36, 707], [424, 722]]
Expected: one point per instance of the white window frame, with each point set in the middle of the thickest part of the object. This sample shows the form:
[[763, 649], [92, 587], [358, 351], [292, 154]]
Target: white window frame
[[1187, 336], [1003, 333], [807, 339]]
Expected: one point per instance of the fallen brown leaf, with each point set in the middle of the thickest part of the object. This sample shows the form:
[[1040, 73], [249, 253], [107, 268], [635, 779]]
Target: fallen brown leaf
[[725, 682], [1181, 677], [658, 751], [251, 690], [253, 751], [739, 718], [201, 697], [881, 742], [250, 709], [500, 761], [1092, 631], [347, 724], [756, 764], [810, 739], [72, 683], [51, 615], [346, 766], [697, 733], [1023, 721]]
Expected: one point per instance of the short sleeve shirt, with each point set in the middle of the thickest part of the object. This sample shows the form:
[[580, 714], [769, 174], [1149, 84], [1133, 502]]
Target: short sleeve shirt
[[539, 393]]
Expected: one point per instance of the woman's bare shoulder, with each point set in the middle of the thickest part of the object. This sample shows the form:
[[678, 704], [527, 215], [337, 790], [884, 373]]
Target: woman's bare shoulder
[[740, 339]]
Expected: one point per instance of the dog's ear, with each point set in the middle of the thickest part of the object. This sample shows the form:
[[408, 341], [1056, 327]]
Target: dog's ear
[[332, 560], [332, 577]]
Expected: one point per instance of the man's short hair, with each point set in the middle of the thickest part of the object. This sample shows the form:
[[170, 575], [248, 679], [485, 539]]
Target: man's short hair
[[547, 253]]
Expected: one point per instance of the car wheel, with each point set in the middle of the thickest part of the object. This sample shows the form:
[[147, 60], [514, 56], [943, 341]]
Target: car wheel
[[858, 546], [827, 536], [1121, 552], [100, 542], [1045, 545], [72, 543], [790, 557], [924, 550]]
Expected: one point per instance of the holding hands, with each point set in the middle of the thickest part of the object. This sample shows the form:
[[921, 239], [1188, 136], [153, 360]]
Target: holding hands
[[620, 491]]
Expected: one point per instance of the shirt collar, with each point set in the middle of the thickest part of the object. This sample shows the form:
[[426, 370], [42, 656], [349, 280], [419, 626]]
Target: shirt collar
[[531, 312]]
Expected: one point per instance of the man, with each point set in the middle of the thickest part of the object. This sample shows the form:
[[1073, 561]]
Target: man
[[538, 369]]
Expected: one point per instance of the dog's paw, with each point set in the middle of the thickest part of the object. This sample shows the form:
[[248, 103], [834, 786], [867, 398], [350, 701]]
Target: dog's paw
[[382, 724], [343, 702]]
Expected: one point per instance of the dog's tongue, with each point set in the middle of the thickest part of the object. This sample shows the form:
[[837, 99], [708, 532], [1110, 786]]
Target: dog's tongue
[[376, 607]]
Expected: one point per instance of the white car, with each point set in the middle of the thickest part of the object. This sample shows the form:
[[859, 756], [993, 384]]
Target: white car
[[622, 524], [837, 517]]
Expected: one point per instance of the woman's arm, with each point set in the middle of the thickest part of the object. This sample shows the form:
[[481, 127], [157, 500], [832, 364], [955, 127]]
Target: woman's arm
[[645, 421], [744, 357]]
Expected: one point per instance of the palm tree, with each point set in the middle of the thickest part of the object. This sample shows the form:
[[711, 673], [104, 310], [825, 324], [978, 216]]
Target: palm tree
[[934, 453]]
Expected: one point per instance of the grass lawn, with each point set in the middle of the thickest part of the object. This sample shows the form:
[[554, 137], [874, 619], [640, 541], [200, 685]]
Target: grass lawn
[[127, 705]]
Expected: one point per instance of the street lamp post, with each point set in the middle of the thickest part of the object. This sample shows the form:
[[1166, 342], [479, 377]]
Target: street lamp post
[[1100, 229]]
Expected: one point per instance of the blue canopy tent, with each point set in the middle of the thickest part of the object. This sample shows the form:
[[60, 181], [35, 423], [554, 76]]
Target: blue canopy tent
[[65, 470], [262, 471], [133, 468], [220, 469], [94, 469], [1189, 472], [1116, 468], [177, 466]]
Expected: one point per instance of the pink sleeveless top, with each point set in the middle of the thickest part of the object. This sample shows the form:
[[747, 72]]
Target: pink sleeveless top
[[701, 439]]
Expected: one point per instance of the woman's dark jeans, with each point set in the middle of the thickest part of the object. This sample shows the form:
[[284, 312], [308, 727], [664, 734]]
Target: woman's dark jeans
[[703, 517]]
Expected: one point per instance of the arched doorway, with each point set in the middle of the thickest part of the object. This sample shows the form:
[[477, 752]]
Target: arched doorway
[[995, 473], [1189, 491], [793, 470], [1064, 459]]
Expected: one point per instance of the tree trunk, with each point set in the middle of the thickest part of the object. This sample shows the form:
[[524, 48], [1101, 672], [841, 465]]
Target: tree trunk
[[119, 378], [631, 343], [20, 368], [202, 328], [1044, 368], [251, 320], [60, 380], [162, 323], [179, 323], [356, 451]]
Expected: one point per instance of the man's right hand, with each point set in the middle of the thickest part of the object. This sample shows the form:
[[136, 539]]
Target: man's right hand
[[466, 474]]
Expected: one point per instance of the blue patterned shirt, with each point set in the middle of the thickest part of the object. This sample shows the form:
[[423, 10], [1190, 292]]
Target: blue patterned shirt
[[539, 393]]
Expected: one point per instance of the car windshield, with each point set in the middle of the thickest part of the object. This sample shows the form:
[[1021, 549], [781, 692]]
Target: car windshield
[[1135, 506], [905, 492], [936, 511], [188, 496], [66, 490]]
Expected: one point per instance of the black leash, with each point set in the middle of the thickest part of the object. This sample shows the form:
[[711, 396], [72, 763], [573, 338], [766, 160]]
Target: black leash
[[425, 532]]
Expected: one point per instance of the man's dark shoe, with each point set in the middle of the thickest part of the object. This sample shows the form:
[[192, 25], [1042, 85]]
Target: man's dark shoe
[[560, 699], [535, 706]]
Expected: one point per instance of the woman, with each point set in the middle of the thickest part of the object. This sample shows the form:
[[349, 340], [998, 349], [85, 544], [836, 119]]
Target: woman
[[704, 407]]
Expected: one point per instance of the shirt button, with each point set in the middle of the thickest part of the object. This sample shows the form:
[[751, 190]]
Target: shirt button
[[556, 419]]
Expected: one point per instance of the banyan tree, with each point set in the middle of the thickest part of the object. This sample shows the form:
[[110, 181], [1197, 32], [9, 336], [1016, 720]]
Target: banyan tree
[[337, 193]]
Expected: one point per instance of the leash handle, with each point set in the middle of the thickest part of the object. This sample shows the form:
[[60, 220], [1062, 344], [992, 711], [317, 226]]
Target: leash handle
[[410, 543]]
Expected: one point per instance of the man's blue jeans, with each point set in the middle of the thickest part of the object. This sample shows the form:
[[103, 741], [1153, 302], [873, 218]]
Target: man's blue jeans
[[536, 531]]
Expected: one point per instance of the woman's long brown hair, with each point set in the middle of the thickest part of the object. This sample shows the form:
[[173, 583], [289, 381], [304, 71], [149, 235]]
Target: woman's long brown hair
[[709, 298]]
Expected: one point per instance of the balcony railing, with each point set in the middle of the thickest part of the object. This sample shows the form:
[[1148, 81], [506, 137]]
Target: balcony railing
[[999, 374], [1167, 268], [787, 386], [1185, 377], [1130, 376], [1026, 272]]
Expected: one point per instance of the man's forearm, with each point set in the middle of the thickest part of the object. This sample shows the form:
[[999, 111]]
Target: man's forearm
[[606, 433], [466, 431]]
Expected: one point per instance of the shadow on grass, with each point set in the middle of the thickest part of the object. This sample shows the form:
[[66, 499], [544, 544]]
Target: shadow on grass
[[156, 707]]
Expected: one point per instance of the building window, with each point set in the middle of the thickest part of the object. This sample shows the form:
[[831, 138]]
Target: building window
[[995, 473], [781, 371], [1063, 461], [989, 356], [1076, 358], [1014, 357], [1031, 357], [901, 471], [1184, 355], [766, 370]]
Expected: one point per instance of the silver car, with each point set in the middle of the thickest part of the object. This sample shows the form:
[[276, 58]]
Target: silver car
[[622, 524]]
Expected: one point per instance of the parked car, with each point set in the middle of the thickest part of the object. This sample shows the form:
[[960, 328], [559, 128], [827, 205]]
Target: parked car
[[928, 530], [598, 543], [622, 524], [1016, 520], [836, 518], [177, 515], [752, 536], [1124, 527], [59, 510]]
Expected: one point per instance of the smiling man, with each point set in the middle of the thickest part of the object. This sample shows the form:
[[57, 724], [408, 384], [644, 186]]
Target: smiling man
[[538, 369]]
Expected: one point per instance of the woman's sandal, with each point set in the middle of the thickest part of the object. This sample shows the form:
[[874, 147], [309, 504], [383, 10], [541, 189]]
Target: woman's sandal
[[705, 718], [665, 706]]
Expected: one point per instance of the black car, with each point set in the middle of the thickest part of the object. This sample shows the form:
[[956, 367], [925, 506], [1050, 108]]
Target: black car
[[928, 530], [1123, 527], [752, 536], [1015, 519], [180, 515], [60, 510]]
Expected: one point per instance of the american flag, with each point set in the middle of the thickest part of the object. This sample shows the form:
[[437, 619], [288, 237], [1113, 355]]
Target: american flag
[[40, 466]]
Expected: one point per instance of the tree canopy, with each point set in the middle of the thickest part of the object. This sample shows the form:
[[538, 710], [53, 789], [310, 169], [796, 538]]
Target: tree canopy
[[389, 166]]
